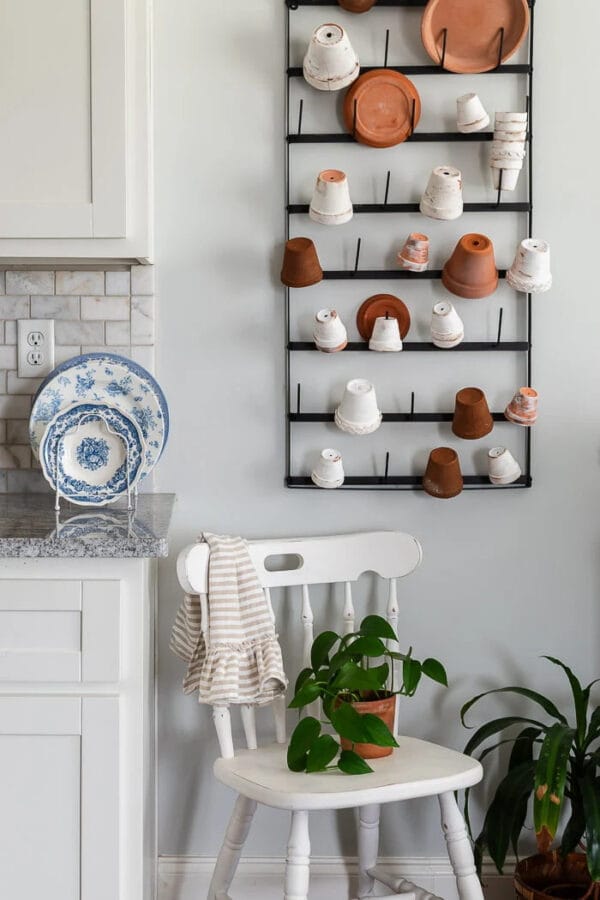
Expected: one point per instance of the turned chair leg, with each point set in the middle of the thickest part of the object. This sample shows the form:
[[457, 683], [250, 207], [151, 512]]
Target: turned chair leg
[[231, 849], [297, 866], [368, 848], [459, 849]]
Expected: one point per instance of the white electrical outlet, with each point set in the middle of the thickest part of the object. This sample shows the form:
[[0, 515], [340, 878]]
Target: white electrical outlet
[[35, 346]]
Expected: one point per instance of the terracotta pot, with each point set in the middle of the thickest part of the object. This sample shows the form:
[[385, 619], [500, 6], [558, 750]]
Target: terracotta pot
[[385, 710], [331, 203], [301, 266], [523, 408], [357, 6], [330, 63], [414, 255], [471, 270], [329, 332], [472, 418], [443, 478], [550, 874]]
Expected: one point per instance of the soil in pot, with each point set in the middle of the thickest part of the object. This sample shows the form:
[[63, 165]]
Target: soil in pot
[[384, 707], [551, 875]]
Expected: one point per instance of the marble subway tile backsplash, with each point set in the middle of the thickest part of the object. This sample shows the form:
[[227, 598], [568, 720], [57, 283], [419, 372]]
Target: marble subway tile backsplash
[[93, 310]]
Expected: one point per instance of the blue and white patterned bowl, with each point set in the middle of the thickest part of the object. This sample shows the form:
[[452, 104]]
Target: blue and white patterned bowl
[[110, 379], [92, 453]]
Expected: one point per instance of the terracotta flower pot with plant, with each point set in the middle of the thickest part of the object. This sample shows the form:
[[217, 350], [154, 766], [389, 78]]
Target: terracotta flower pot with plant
[[552, 765], [353, 676]]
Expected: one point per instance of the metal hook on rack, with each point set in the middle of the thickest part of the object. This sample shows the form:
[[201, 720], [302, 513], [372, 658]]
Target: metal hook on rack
[[387, 47], [412, 117], [354, 114], [300, 113], [298, 394], [357, 257], [499, 188], [387, 188], [444, 43], [412, 404], [387, 465], [501, 48], [499, 327]]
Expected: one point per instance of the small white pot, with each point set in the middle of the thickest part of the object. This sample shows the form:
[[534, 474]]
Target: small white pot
[[443, 198], [510, 178], [329, 332], [328, 471], [330, 63], [414, 255], [507, 150], [511, 117], [470, 114], [358, 412], [502, 466], [506, 164], [447, 329], [510, 137], [331, 204], [511, 127], [530, 271], [385, 337]]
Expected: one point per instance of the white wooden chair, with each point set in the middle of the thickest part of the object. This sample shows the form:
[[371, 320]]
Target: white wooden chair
[[417, 769]]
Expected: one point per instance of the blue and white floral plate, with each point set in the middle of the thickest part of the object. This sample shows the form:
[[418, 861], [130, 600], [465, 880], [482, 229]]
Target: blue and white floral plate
[[92, 454], [110, 379]]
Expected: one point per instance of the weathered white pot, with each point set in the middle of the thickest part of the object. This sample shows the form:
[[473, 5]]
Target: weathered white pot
[[443, 198], [330, 63], [414, 255], [507, 150], [510, 136], [329, 332], [447, 329], [511, 117], [530, 271], [470, 114], [510, 178], [385, 337], [523, 408], [502, 466], [328, 471], [358, 412], [507, 164], [331, 203]]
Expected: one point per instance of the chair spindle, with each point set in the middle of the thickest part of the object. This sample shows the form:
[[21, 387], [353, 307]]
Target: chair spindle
[[249, 723], [222, 720], [269, 603], [348, 609], [307, 624]]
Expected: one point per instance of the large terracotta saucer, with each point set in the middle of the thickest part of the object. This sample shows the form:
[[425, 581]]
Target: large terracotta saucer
[[378, 108]]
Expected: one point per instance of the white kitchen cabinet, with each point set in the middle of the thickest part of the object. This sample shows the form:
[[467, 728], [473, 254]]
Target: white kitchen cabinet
[[77, 817], [74, 115]]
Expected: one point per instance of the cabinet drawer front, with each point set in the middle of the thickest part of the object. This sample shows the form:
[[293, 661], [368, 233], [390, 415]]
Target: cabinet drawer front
[[59, 631]]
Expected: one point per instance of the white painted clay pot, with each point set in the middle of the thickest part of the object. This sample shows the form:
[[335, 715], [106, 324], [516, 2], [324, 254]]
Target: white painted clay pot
[[330, 63], [447, 329], [331, 204], [511, 125], [329, 332], [328, 471], [358, 412], [385, 337], [507, 150], [510, 136], [506, 164], [511, 117], [523, 408], [510, 178], [470, 114], [502, 466], [530, 271], [414, 255], [442, 198]]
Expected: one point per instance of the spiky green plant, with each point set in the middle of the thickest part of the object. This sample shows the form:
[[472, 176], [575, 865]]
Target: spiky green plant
[[556, 762]]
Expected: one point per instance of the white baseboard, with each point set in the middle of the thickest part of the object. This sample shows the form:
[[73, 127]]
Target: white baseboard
[[332, 878]]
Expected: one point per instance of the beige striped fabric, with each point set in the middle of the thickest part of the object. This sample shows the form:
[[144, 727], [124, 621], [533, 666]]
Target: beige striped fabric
[[238, 658]]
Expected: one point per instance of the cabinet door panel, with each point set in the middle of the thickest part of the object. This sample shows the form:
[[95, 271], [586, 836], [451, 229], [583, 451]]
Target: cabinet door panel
[[62, 113]]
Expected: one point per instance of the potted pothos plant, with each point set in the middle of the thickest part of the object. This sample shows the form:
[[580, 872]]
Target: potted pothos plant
[[353, 677], [553, 766]]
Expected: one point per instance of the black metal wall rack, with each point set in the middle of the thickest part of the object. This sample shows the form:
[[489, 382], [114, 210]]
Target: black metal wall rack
[[293, 136]]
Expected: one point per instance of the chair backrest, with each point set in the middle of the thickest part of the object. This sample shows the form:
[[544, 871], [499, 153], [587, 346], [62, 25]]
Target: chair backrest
[[314, 560]]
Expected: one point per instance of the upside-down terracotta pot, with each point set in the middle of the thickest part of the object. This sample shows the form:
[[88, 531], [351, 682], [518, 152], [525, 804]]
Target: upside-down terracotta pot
[[502, 466], [386, 335], [523, 408], [301, 266], [357, 6], [329, 332], [471, 114], [331, 203], [414, 255], [328, 470], [443, 478], [552, 875], [443, 198], [358, 412], [385, 710], [472, 418], [530, 271], [330, 63], [471, 270]]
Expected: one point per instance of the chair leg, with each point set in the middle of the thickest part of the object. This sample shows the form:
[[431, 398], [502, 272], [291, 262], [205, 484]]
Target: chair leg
[[368, 848], [297, 866], [231, 849], [459, 849]]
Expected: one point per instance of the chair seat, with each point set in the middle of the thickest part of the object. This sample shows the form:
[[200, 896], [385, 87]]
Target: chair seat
[[416, 769]]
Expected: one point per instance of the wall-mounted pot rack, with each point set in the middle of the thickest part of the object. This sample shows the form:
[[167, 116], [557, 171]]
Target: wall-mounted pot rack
[[297, 137]]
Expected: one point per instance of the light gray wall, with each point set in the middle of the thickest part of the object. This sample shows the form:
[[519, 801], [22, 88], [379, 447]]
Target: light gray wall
[[506, 575]]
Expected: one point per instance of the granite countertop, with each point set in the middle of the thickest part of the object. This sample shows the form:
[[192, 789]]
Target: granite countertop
[[30, 527]]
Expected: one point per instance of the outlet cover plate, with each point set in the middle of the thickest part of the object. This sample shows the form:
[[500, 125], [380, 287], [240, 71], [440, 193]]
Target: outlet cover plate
[[35, 347]]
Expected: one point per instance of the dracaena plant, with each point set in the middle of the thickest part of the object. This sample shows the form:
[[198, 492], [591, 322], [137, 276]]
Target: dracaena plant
[[557, 762], [343, 669]]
